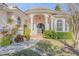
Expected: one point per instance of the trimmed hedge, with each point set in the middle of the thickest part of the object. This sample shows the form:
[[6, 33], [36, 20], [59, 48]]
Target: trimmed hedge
[[57, 35], [64, 35], [5, 41]]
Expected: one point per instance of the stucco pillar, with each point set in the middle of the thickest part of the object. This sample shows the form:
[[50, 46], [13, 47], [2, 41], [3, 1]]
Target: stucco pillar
[[31, 23], [35, 29], [52, 23], [63, 25], [22, 27], [46, 22]]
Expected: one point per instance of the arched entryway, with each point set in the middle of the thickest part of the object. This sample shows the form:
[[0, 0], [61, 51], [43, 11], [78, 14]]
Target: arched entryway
[[40, 28]]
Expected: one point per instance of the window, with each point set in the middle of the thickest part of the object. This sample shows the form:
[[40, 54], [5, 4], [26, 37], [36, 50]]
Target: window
[[59, 25], [19, 21]]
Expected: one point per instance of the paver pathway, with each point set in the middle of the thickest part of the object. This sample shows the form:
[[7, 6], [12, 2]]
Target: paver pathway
[[37, 36]]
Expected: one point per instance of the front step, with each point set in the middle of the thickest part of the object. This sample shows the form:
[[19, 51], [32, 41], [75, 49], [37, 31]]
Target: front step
[[37, 36]]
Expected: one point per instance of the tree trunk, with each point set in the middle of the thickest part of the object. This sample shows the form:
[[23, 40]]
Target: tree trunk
[[76, 42]]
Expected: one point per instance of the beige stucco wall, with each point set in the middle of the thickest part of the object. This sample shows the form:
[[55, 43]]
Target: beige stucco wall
[[3, 17]]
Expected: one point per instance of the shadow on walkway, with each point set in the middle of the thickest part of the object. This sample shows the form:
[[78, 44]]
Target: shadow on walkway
[[70, 47]]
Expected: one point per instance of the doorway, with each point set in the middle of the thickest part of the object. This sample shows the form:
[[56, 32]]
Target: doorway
[[40, 28]]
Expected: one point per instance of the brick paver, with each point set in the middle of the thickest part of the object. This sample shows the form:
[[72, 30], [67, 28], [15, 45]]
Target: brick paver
[[37, 36]]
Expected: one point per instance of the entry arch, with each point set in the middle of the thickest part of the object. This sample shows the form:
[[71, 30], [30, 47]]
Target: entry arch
[[40, 28]]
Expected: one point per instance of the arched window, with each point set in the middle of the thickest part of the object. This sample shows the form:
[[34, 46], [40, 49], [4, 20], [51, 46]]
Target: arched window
[[59, 25], [19, 21]]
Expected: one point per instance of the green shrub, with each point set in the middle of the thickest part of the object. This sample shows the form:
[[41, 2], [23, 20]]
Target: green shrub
[[10, 21], [5, 41], [49, 34], [57, 35], [27, 32], [63, 35]]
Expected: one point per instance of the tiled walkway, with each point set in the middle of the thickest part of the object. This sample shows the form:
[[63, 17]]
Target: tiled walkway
[[37, 37]]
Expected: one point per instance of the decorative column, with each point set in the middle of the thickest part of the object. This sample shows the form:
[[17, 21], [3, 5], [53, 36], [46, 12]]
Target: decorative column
[[22, 27], [63, 25], [55, 25], [31, 23], [34, 31], [52, 23], [46, 22]]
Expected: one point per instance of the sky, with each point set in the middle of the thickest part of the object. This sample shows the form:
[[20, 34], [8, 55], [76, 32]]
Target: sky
[[26, 6]]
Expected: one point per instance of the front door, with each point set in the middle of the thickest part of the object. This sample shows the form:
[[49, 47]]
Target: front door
[[40, 28]]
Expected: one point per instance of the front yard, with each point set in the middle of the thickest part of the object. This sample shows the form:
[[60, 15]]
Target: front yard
[[45, 47], [53, 44], [54, 47]]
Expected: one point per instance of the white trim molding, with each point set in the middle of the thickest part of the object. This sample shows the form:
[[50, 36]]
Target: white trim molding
[[63, 24]]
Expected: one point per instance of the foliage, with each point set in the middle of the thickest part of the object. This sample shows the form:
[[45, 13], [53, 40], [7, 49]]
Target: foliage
[[10, 21], [48, 48], [57, 8], [64, 35], [4, 41], [14, 30], [25, 52], [49, 34], [19, 38], [45, 46], [74, 23], [57, 35], [51, 49], [27, 32]]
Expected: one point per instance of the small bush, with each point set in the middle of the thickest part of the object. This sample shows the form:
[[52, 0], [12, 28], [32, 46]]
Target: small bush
[[19, 38], [64, 35], [57, 35], [49, 34], [26, 32], [5, 41]]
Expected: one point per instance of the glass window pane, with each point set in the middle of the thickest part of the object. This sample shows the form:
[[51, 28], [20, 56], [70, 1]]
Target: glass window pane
[[59, 25]]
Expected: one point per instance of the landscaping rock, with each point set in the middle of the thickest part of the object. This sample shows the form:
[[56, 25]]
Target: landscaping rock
[[16, 47]]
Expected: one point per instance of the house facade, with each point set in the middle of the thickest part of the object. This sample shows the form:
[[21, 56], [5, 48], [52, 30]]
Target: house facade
[[38, 19], [15, 14], [41, 19]]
